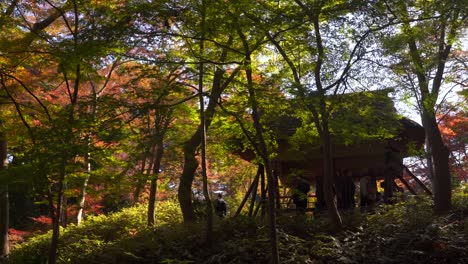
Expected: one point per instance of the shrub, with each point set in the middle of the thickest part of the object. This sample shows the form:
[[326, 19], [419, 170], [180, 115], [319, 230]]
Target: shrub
[[95, 234]]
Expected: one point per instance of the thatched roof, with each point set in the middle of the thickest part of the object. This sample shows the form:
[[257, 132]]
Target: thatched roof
[[364, 127]]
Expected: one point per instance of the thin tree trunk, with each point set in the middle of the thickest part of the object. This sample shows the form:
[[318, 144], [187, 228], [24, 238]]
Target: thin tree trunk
[[55, 215], [263, 187], [270, 176], [145, 172], [63, 210], [272, 215], [328, 183], [264, 153], [4, 221], [141, 181], [206, 194], [4, 202], [162, 121], [154, 181], [81, 203]]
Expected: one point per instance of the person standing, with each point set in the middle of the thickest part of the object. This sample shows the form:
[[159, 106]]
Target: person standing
[[220, 206], [299, 196]]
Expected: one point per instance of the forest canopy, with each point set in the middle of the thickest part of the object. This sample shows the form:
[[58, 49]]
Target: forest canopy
[[105, 105]]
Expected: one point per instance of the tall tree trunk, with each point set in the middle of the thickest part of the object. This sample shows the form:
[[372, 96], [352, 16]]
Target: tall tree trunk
[[55, 215], [190, 146], [427, 154], [321, 122], [442, 185], [328, 182], [185, 185], [427, 148], [81, 202], [4, 202], [447, 34], [272, 212], [206, 194]]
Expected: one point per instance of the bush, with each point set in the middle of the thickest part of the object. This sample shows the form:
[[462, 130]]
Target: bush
[[95, 234], [409, 232]]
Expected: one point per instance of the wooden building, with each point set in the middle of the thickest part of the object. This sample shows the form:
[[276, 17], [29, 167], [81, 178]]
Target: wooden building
[[370, 139]]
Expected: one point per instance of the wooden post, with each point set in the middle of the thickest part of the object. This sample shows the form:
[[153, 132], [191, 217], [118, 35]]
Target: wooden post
[[388, 187], [264, 191], [277, 194], [246, 197], [254, 194]]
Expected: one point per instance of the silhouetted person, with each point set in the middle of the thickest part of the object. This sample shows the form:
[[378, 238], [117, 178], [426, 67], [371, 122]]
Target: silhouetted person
[[320, 205], [363, 191], [220, 206], [299, 196], [348, 190]]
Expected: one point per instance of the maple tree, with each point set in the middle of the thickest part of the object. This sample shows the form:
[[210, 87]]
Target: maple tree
[[57, 79]]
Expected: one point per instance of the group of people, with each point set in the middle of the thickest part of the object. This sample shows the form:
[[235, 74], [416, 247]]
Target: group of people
[[345, 192], [344, 189]]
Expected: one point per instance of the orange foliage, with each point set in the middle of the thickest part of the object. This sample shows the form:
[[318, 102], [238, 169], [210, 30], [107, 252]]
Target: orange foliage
[[454, 130], [16, 236]]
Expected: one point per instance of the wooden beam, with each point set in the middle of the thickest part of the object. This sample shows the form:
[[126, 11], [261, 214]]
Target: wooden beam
[[254, 195], [417, 180], [407, 185], [246, 197], [263, 188]]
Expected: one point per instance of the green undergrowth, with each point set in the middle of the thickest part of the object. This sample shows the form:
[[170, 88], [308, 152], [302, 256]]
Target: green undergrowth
[[407, 232]]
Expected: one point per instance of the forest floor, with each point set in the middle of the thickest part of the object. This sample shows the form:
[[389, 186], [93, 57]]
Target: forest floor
[[407, 232]]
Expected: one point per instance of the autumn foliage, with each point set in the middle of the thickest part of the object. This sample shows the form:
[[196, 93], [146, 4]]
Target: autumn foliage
[[454, 130]]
